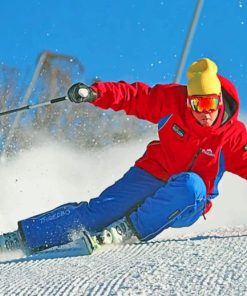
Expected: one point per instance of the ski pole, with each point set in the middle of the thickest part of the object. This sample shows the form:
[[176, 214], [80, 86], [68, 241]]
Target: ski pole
[[27, 107]]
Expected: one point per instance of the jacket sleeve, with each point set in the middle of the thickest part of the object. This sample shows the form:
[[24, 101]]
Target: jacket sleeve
[[236, 153], [137, 99]]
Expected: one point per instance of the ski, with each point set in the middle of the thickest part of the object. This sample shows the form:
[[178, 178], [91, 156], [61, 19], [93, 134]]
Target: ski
[[85, 245]]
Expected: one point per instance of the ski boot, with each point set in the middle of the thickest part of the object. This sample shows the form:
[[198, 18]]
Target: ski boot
[[116, 233], [10, 241]]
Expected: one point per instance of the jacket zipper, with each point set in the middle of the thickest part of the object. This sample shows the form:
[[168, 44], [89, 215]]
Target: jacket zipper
[[194, 159], [190, 167]]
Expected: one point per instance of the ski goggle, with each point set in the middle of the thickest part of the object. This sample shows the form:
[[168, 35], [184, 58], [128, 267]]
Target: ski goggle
[[208, 103]]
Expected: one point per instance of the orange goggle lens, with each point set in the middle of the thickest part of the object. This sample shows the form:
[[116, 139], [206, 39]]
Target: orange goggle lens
[[204, 104]]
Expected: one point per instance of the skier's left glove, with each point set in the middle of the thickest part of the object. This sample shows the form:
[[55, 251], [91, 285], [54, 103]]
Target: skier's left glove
[[80, 92]]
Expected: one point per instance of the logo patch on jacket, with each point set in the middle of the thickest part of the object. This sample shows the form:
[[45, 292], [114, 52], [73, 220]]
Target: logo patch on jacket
[[245, 147], [208, 152], [178, 130]]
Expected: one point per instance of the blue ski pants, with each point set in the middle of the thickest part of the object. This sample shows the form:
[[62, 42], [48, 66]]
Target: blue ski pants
[[151, 205]]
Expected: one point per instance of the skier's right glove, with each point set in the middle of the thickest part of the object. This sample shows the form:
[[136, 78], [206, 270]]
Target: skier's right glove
[[80, 92]]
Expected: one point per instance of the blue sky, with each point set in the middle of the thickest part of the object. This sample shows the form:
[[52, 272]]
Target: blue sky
[[126, 40]]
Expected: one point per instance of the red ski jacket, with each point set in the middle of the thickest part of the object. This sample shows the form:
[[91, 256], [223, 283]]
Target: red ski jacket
[[183, 145]]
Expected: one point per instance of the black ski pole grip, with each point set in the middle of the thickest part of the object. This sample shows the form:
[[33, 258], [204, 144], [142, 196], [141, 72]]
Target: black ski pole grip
[[58, 100]]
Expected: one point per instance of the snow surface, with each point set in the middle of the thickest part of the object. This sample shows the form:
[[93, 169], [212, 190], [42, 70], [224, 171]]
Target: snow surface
[[192, 261], [210, 264]]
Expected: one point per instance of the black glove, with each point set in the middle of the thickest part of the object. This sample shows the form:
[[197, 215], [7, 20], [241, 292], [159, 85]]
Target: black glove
[[80, 92]]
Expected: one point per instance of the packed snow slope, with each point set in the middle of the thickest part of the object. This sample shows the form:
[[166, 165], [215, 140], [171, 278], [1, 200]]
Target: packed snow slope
[[193, 261], [210, 264]]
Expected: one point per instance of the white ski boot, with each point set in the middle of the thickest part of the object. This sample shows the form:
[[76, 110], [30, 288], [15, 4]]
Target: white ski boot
[[10, 241], [116, 233]]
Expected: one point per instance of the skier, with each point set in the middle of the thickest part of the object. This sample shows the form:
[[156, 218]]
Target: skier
[[173, 183]]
